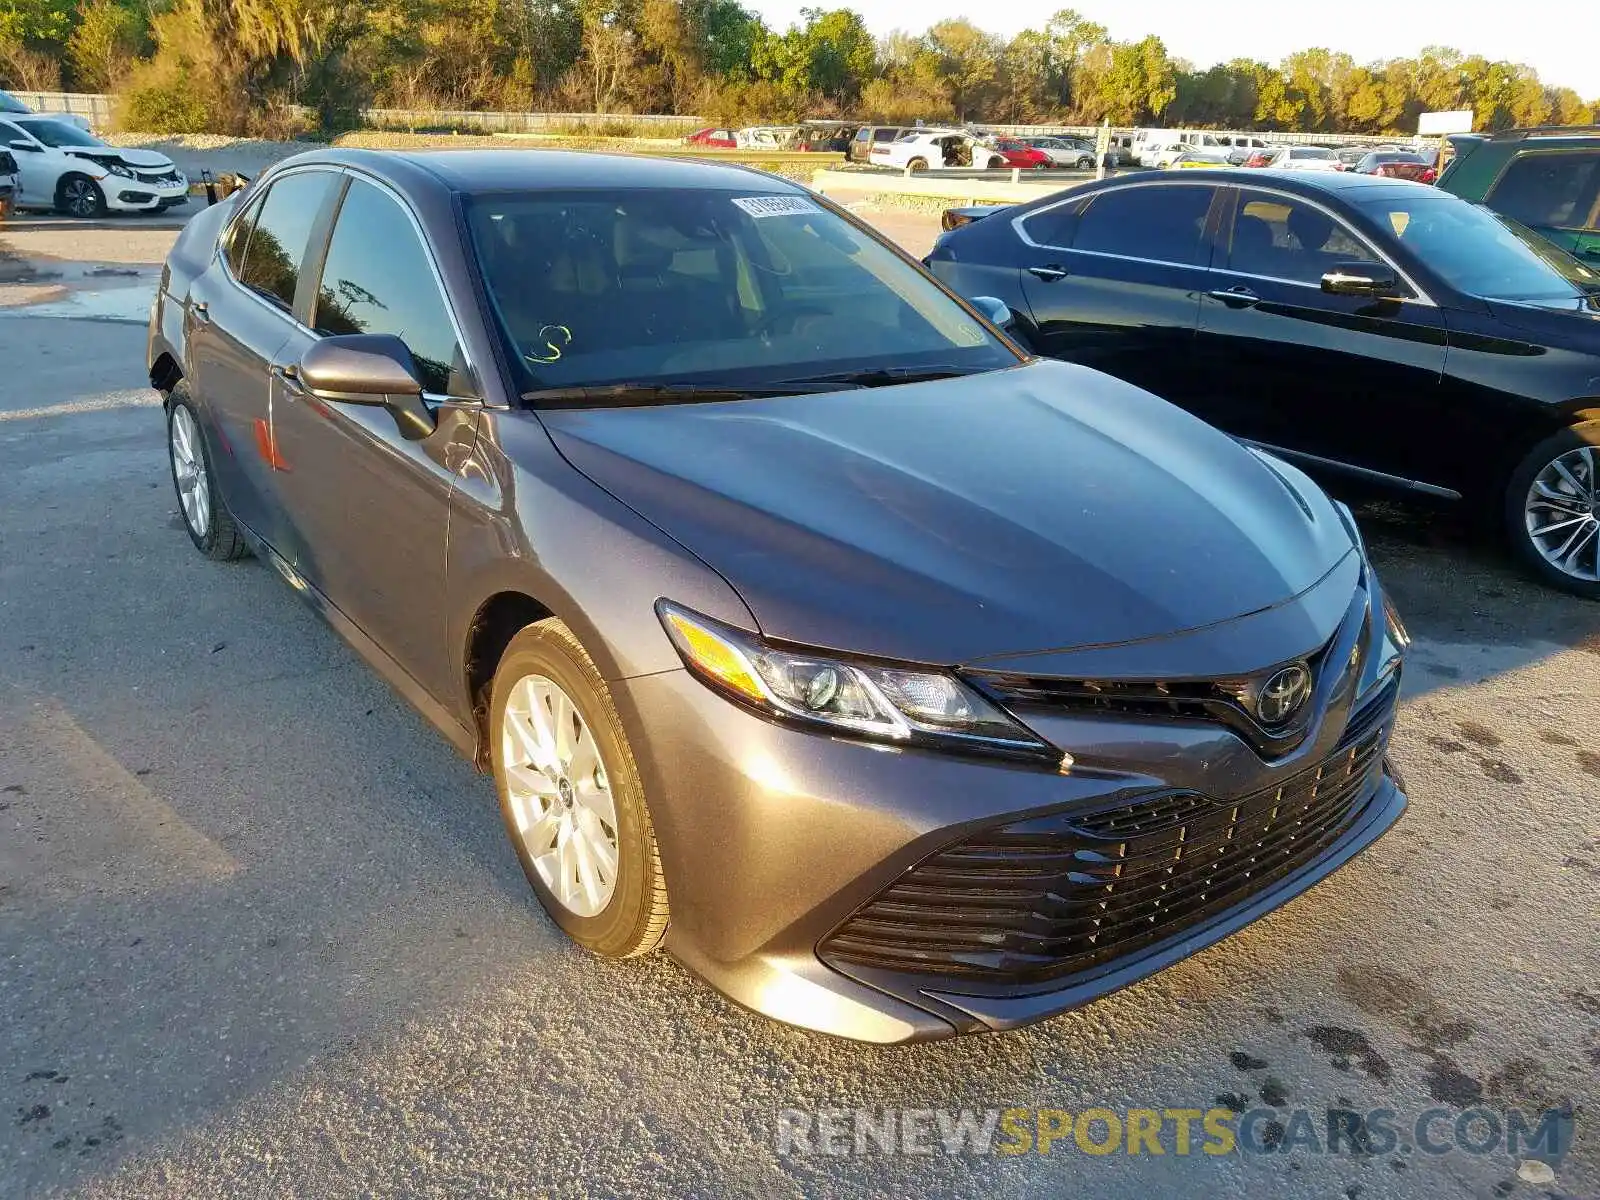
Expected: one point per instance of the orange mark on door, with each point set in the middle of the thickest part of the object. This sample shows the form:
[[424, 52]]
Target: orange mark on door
[[267, 446]]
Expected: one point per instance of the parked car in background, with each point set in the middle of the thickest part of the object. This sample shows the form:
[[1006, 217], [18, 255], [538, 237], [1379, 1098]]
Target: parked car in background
[[1200, 156], [1020, 154], [1397, 164], [1349, 156], [721, 139], [1382, 334], [1305, 158], [824, 137], [765, 137], [1121, 152], [869, 136], [63, 168], [9, 104], [1260, 158], [1240, 146], [1546, 178], [1065, 152], [810, 709], [8, 183], [936, 150]]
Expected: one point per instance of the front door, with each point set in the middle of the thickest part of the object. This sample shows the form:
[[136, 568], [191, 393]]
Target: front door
[[1115, 284], [241, 312], [1351, 379], [369, 509]]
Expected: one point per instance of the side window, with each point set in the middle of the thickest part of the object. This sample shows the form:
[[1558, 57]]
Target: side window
[[233, 247], [1163, 222], [10, 133], [1553, 189], [277, 246], [378, 279], [863, 135], [1282, 238], [1053, 226]]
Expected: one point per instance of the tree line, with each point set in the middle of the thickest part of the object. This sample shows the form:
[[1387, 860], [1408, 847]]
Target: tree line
[[242, 66]]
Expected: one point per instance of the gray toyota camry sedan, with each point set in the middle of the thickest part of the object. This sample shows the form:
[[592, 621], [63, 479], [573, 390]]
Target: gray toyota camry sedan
[[899, 683]]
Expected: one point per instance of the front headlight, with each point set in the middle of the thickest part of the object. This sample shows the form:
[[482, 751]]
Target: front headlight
[[122, 169], [901, 705]]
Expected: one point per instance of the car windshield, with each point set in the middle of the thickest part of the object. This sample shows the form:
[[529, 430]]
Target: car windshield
[[55, 133], [1476, 252], [708, 287]]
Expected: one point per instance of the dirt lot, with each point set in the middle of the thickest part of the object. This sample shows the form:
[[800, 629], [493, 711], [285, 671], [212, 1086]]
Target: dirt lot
[[261, 935]]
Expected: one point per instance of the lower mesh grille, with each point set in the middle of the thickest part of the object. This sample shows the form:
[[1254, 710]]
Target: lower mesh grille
[[1062, 894]]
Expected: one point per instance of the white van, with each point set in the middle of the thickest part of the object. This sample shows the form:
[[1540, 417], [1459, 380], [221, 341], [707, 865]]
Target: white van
[[1160, 146]]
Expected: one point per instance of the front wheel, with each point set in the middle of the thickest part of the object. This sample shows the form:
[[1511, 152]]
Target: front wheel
[[571, 796], [210, 526], [1552, 509], [80, 196]]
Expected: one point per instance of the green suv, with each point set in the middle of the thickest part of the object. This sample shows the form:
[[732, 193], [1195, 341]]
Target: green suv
[[1547, 178]]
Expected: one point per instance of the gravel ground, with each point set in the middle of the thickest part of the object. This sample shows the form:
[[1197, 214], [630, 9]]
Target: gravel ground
[[260, 933]]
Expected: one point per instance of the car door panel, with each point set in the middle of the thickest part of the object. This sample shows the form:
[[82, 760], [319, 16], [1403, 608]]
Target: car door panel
[[1352, 379], [368, 509]]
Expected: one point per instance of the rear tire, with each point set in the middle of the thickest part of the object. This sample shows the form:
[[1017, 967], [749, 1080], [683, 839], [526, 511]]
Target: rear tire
[[917, 164], [79, 196], [1552, 510], [588, 804], [206, 518]]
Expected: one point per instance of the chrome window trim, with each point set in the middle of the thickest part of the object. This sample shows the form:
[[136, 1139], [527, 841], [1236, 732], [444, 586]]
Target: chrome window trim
[[1016, 222], [1421, 298]]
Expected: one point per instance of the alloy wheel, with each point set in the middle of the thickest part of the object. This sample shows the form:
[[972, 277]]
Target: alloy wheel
[[560, 795], [1562, 513], [80, 198], [189, 471]]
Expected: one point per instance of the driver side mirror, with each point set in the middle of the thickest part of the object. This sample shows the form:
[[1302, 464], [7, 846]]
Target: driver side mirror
[[1361, 279], [369, 368], [25, 147], [996, 311]]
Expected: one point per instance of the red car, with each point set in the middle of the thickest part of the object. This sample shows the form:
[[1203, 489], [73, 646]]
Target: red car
[[1259, 159], [1399, 164], [722, 139], [1017, 154]]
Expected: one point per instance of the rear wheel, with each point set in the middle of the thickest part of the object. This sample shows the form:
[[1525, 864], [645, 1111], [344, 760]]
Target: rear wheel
[[571, 796], [917, 164], [79, 196], [1552, 509]]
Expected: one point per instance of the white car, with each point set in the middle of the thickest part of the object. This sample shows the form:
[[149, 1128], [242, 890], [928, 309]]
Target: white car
[[765, 137], [936, 150], [10, 104], [1157, 147], [8, 183], [63, 168], [1241, 146], [1306, 158]]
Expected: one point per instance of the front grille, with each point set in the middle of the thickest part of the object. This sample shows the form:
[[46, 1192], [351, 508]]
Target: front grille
[[156, 176], [1059, 895]]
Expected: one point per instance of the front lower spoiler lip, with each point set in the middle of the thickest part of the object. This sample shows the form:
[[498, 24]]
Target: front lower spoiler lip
[[974, 1013]]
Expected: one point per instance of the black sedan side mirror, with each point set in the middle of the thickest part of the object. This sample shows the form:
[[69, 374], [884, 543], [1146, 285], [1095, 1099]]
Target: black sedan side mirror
[[997, 311], [369, 368], [1361, 279]]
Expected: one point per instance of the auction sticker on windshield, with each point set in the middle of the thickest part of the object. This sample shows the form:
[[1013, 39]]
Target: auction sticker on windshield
[[775, 206]]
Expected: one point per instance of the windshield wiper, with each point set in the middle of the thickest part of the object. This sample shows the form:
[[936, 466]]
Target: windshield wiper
[[885, 376], [623, 395]]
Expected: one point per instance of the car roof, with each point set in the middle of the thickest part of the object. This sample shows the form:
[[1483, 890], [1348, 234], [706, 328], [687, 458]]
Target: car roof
[[548, 170], [1354, 187]]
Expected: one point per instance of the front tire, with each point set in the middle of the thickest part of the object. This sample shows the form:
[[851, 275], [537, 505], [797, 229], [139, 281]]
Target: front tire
[[917, 164], [571, 796], [79, 196], [210, 525], [1552, 510]]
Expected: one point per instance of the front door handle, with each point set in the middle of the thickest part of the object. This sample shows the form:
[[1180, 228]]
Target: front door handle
[[201, 311], [1236, 297], [289, 377], [1048, 274]]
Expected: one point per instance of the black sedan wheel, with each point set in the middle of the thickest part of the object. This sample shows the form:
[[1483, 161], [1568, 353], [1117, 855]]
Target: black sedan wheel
[[1553, 509], [80, 196]]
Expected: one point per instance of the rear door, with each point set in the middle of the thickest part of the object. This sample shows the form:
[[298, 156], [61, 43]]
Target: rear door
[[1556, 192], [1351, 379], [370, 508], [241, 312], [1114, 281]]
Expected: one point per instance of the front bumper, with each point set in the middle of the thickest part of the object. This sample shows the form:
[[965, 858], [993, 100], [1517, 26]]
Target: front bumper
[[136, 195], [774, 840]]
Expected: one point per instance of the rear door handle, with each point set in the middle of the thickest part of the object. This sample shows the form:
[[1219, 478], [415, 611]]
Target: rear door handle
[[1236, 297], [1048, 274]]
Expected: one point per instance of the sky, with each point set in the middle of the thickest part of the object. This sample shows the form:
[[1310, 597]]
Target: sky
[[1555, 37]]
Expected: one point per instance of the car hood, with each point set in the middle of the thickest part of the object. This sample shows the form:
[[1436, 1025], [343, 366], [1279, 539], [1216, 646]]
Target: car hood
[[147, 160], [1041, 507]]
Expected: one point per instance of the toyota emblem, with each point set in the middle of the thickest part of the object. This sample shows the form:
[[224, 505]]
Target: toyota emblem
[[1283, 694]]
